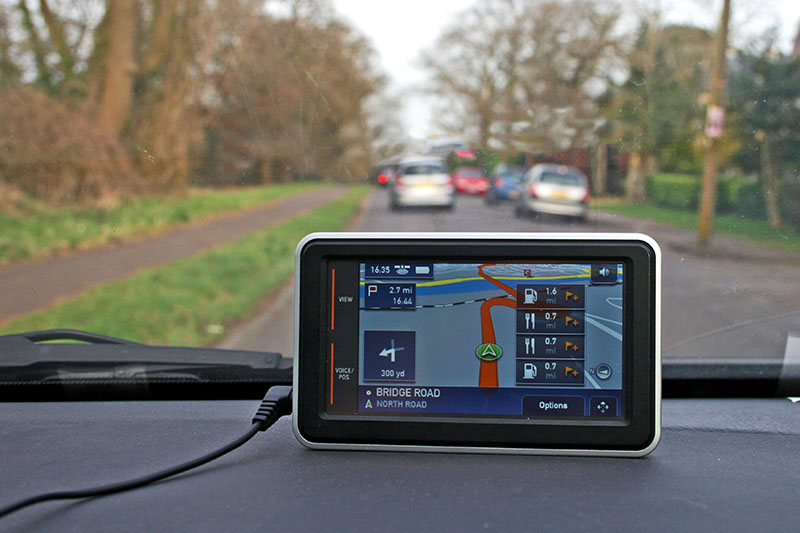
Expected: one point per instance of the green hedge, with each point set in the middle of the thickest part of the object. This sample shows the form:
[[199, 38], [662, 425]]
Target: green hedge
[[735, 194], [750, 201], [790, 203], [679, 191]]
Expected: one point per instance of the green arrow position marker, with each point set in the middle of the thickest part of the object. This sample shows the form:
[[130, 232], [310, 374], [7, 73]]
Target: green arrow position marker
[[488, 351]]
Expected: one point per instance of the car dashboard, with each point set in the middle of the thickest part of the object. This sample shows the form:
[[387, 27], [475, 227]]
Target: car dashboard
[[722, 464]]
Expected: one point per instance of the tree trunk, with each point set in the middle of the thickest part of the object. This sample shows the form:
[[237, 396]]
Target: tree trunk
[[770, 183], [634, 181], [120, 66], [485, 114], [160, 35], [600, 175]]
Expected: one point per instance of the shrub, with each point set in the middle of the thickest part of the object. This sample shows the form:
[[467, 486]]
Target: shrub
[[735, 194], [53, 152], [750, 200], [679, 191], [790, 203]]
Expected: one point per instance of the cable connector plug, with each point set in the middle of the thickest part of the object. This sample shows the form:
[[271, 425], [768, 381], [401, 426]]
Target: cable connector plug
[[277, 403]]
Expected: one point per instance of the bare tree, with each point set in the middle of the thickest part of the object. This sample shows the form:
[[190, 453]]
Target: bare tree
[[573, 46], [10, 71], [273, 89], [526, 75], [386, 128], [292, 95], [469, 71]]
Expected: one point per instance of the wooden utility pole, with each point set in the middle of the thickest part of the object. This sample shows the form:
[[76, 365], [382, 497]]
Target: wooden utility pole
[[714, 124]]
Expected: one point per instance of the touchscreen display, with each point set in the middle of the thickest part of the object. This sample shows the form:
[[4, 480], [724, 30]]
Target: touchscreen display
[[530, 340]]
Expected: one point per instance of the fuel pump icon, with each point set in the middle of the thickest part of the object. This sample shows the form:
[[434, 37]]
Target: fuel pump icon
[[530, 296], [528, 371]]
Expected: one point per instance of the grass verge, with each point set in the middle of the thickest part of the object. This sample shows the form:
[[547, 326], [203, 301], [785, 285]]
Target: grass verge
[[756, 230], [192, 301], [35, 230]]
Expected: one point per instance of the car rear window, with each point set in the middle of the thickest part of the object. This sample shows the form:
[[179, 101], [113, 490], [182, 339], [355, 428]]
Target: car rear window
[[469, 172], [425, 168], [511, 176], [561, 179]]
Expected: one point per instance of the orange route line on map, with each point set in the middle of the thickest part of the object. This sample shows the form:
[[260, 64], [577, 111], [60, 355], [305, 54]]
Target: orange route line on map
[[488, 371], [512, 292]]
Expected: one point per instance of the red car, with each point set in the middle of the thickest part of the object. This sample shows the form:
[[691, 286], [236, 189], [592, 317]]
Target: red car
[[468, 180]]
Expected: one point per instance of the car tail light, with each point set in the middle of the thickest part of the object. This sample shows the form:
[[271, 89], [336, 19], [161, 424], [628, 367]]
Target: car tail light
[[499, 182], [382, 179], [585, 196], [532, 190], [399, 181]]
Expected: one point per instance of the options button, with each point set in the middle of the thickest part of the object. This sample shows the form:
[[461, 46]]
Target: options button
[[552, 406]]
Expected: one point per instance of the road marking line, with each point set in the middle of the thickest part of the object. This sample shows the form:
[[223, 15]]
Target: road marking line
[[608, 330], [591, 379], [604, 318]]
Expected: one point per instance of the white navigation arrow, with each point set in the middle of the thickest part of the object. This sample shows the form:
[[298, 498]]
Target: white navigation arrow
[[390, 352]]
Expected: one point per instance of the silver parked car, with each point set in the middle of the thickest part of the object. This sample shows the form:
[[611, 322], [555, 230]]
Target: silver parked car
[[422, 181], [555, 190]]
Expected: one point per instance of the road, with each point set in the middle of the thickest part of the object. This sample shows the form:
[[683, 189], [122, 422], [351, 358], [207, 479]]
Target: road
[[736, 299], [29, 286]]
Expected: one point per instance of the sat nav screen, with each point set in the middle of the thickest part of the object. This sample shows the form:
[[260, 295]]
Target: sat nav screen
[[531, 340]]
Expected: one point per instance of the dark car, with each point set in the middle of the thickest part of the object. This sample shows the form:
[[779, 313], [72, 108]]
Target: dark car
[[504, 184]]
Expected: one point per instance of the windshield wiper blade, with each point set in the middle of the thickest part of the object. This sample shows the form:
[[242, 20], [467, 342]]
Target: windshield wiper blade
[[729, 377], [24, 359]]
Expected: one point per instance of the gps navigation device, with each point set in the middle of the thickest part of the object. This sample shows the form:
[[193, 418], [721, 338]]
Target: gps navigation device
[[541, 343]]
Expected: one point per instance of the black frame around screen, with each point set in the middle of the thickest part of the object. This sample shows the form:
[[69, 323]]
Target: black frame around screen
[[634, 432]]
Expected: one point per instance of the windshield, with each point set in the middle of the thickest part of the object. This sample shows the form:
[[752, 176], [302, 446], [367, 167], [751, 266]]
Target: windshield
[[511, 175], [469, 173], [561, 179], [160, 161], [427, 168]]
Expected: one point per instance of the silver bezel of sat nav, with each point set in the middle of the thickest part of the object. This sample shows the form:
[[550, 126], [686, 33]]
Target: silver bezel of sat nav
[[633, 237]]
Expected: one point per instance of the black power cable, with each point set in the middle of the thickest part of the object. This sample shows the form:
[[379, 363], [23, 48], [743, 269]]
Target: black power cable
[[275, 404]]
